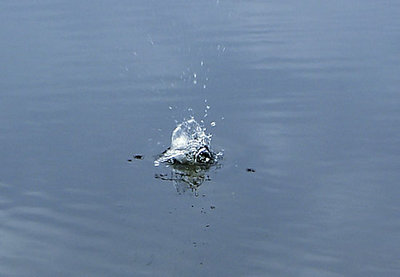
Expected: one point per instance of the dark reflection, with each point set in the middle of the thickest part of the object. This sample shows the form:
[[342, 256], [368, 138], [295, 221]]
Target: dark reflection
[[187, 177]]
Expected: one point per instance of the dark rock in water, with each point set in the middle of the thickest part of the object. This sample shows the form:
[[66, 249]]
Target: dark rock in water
[[129, 160], [138, 157], [250, 170]]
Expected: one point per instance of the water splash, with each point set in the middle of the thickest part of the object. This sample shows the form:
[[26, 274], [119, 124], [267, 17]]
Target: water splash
[[190, 145]]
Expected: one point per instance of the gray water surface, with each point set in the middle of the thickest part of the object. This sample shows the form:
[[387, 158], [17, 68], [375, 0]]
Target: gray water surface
[[306, 93]]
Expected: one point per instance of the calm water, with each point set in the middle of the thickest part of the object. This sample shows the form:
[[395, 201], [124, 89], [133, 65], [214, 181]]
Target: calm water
[[304, 92]]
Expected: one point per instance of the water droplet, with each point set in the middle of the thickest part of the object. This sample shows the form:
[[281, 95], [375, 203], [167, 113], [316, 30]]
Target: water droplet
[[170, 107], [204, 86], [194, 75], [213, 123], [208, 107], [195, 82], [201, 63]]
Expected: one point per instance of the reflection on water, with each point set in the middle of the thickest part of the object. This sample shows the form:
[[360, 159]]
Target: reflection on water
[[187, 177]]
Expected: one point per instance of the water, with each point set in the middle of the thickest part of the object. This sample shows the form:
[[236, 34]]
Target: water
[[305, 93]]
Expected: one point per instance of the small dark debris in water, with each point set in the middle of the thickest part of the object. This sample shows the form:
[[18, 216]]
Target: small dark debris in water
[[129, 160], [160, 175], [250, 170], [204, 195], [201, 263], [192, 206], [208, 225], [212, 207], [138, 157], [163, 177]]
